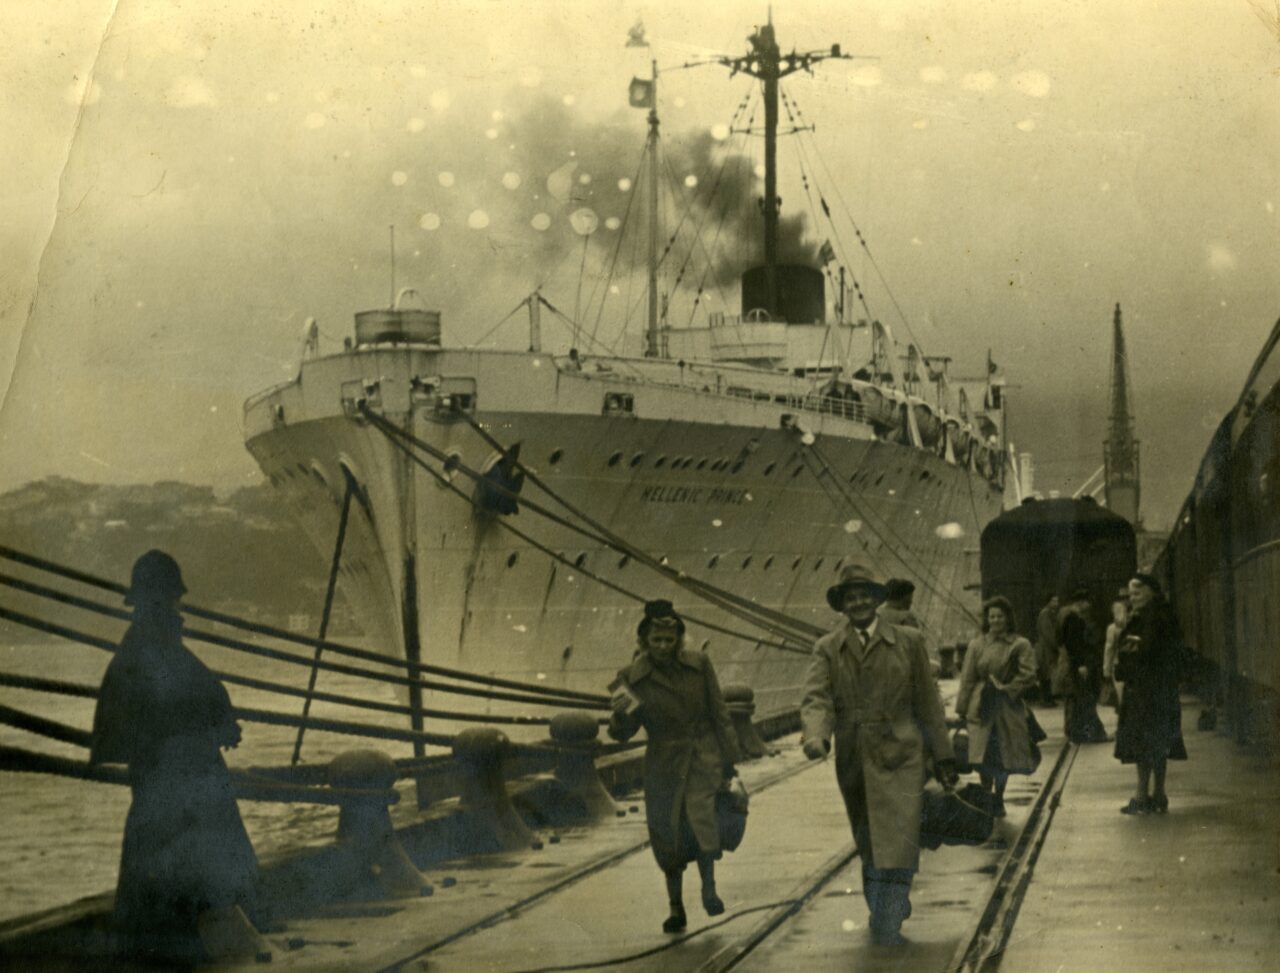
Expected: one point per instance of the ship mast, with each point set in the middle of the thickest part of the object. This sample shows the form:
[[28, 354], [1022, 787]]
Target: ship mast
[[651, 333], [766, 62]]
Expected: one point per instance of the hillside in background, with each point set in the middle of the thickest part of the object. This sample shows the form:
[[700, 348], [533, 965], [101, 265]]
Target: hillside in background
[[241, 554]]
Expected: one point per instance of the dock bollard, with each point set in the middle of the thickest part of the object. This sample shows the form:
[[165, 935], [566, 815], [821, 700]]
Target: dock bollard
[[575, 735], [364, 824], [479, 753], [741, 701]]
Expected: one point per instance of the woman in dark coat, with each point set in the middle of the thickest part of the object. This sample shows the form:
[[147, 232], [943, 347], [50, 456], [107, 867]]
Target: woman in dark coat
[[186, 858], [1150, 728], [999, 667], [691, 750]]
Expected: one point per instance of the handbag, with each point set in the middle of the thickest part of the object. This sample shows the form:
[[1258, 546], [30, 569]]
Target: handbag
[[959, 817], [732, 803]]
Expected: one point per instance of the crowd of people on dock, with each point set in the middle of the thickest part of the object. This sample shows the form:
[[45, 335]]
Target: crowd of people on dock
[[871, 696], [188, 871]]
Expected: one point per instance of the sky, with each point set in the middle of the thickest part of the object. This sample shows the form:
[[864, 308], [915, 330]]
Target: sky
[[187, 182]]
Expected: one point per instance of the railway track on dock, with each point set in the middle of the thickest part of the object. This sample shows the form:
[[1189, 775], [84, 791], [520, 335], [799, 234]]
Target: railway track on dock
[[575, 876], [981, 949]]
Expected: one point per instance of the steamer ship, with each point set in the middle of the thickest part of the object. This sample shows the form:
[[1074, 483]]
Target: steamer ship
[[506, 512]]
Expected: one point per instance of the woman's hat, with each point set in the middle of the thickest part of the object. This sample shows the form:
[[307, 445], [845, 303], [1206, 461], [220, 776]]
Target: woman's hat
[[854, 576], [659, 612], [156, 577]]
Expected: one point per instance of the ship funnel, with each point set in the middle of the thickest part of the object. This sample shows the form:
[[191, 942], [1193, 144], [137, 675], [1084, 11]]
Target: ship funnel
[[801, 293], [399, 325]]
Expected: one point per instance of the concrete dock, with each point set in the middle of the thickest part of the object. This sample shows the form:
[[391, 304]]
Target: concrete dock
[[1196, 889]]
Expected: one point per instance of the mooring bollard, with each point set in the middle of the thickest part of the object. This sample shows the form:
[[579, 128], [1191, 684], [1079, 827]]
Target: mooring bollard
[[479, 753], [575, 735], [741, 701], [364, 824]]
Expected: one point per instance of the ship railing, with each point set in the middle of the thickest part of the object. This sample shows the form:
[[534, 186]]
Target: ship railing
[[260, 397]]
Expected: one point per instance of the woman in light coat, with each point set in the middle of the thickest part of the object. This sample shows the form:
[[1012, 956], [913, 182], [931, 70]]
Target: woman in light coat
[[672, 693], [999, 667]]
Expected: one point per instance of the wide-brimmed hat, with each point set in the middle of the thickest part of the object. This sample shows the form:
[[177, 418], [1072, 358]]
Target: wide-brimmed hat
[[896, 588], [853, 576], [156, 577]]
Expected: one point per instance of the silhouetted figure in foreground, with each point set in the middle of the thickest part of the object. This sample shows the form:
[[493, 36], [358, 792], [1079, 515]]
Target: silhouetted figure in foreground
[[672, 692], [869, 683], [187, 869], [1150, 728]]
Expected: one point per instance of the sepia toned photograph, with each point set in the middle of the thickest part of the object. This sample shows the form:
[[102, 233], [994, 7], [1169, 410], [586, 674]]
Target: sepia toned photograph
[[566, 485]]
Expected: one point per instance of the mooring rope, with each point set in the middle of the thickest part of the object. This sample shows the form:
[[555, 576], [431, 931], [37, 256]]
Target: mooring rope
[[270, 653], [335, 648]]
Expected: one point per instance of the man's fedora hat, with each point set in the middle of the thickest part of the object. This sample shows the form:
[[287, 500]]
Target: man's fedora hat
[[854, 576]]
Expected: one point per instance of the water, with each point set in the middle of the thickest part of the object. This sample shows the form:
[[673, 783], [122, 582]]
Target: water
[[60, 838]]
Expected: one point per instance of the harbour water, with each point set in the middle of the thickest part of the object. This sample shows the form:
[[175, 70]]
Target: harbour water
[[60, 839]]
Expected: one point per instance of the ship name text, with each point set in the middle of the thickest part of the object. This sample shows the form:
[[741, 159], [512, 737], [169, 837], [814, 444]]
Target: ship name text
[[680, 494]]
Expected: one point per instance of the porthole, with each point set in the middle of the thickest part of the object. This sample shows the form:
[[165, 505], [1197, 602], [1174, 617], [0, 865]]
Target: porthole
[[737, 467], [636, 460], [556, 456], [839, 565], [702, 462], [715, 559], [878, 479], [706, 644], [796, 472], [613, 460], [512, 558], [768, 562], [624, 561], [660, 462], [303, 469], [746, 562], [768, 470], [817, 564], [924, 475], [796, 563], [580, 560]]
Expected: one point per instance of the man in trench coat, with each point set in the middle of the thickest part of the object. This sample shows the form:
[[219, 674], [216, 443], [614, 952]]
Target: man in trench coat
[[869, 683]]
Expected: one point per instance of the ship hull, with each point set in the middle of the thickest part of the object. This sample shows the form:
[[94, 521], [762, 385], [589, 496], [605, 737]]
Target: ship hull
[[716, 485]]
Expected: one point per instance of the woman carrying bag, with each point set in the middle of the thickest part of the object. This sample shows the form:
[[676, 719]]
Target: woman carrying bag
[[999, 667], [672, 692]]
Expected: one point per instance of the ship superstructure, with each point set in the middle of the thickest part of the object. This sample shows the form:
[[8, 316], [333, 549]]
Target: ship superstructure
[[506, 512]]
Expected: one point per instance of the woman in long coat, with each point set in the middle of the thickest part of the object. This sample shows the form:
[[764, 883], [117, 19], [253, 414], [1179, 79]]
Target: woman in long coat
[[186, 856], [999, 667], [870, 684], [1149, 732], [672, 693]]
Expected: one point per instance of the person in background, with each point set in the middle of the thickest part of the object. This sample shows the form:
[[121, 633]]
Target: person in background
[[1147, 661], [1046, 648], [869, 684], [188, 873], [999, 667], [1119, 616], [1079, 666], [691, 749], [899, 593]]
